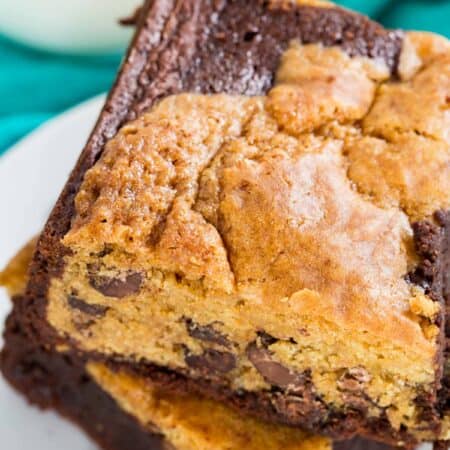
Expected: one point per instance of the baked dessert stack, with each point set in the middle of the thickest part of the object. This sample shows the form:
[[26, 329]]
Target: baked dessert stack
[[261, 216]]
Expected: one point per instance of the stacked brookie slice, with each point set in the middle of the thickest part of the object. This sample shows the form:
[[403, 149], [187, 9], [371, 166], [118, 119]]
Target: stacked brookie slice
[[261, 217]]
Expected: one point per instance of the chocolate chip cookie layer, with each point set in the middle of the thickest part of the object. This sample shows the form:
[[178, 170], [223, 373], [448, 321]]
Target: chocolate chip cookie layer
[[122, 411]]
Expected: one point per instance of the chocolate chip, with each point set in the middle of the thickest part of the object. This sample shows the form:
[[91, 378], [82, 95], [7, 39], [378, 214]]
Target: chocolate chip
[[211, 361], [117, 287], [107, 250], [157, 231], [250, 35], [83, 325], [442, 217], [87, 308], [438, 445], [304, 408], [206, 333], [352, 384], [354, 379], [272, 371], [266, 338]]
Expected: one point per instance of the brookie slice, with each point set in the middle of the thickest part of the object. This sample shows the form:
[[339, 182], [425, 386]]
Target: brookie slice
[[260, 215]]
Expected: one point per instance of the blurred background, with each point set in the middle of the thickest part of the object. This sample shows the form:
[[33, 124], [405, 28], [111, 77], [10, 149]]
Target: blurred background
[[57, 53]]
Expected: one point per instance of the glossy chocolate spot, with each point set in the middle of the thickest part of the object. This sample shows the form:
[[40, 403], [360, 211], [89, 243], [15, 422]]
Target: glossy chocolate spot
[[211, 361], [272, 371], [117, 287], [206, 333], [87, 308]]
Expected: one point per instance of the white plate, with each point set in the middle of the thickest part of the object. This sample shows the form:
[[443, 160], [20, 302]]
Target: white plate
[[32, 174]]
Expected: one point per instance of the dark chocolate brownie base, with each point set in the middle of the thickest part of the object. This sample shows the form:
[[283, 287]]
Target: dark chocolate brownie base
[[441, 445], [432, 241], [210, 47], [444, 220], [444, 393]]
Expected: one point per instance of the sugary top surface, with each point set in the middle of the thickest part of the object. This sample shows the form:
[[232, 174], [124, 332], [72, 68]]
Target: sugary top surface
[[302, 197]]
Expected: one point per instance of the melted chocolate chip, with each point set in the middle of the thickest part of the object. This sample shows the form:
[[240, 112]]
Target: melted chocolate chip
[[117, 287], [272, 371], [157, 231], [303, 408], [211, 361], [266, 338], [354, 379], [107, 250], [87, 308], [206, 333]]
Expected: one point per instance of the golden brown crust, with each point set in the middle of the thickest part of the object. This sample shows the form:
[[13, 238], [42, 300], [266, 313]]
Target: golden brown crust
[[144, 196]]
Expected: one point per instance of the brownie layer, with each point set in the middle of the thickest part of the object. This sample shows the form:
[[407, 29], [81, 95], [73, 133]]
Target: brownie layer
[[444, 279], [182, 52]]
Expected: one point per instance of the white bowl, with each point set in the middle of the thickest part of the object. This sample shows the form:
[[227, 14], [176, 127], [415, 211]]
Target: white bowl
[[82, 26]]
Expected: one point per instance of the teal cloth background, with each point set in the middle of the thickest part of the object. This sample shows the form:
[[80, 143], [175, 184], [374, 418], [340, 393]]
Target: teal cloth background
[[35, 86]]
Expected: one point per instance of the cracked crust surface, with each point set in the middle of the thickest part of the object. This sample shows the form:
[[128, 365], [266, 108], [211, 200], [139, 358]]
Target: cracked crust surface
[[244, 62], [238, 194]]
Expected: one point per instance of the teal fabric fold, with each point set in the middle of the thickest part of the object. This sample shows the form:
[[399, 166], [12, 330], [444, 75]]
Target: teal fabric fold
[[35, 85], [372, 8]]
